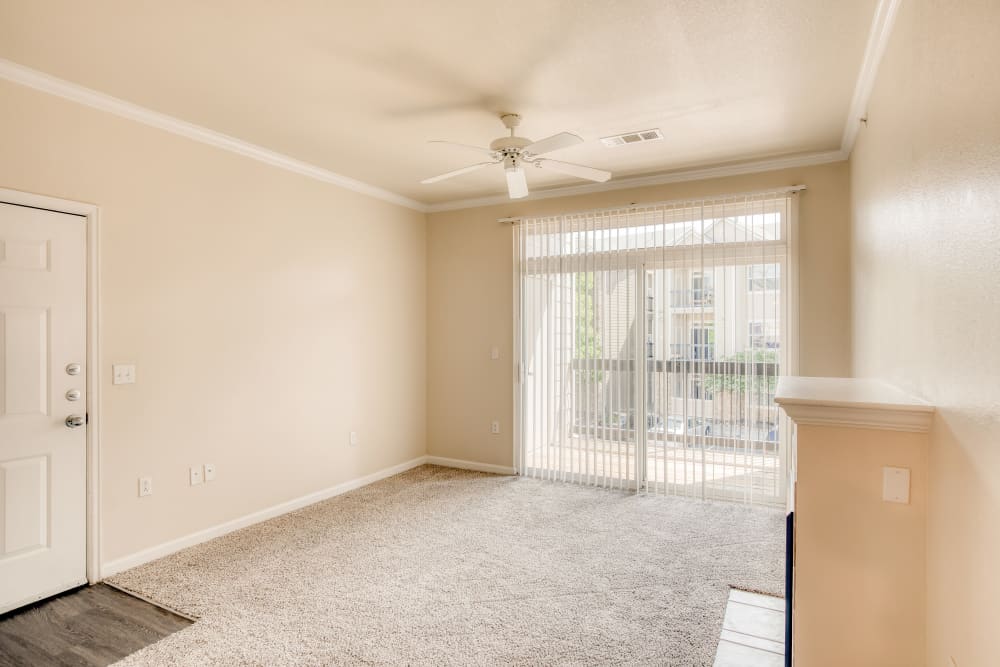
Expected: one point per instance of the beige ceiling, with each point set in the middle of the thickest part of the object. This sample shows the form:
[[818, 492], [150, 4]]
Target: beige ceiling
[[359, 87]]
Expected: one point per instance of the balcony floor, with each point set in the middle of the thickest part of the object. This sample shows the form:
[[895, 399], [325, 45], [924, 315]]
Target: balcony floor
[[671, 468]]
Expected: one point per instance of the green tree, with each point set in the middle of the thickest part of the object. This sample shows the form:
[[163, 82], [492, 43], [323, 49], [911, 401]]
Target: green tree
[[738, 384], [587, 343]]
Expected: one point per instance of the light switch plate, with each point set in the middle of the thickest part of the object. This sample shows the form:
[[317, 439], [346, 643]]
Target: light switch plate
[[196, 476], [209, 472], [145, 486], [353, 439], [123, 373], [494, 352], [896, 485]]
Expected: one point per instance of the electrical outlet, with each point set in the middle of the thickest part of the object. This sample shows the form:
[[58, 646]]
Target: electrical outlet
[[145, 486], [353, 439], [495, 427], [896, 485], [209, 472], [196, 477]]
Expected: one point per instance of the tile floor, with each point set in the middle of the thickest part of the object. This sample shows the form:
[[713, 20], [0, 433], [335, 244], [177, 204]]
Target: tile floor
[[753, 632]]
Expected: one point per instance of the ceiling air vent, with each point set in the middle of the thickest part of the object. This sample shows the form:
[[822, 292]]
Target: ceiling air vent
[[632, 138]]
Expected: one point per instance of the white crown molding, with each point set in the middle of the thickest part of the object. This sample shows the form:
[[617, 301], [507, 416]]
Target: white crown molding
[[46, 83], [701, 173], [878, 39], [879, 419], [852, 403]]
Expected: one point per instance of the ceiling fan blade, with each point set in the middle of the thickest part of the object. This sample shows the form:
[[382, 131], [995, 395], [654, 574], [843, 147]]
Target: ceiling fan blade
[[457, 172], [478, 149], [553, 143], [517, 183], [577, 170]]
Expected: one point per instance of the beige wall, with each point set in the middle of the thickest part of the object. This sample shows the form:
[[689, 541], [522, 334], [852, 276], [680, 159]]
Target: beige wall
[[859, 561], [268, 315], [470, 292], [926, 251]]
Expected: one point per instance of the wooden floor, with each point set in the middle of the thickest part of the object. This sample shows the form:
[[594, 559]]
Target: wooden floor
[[94, 625]]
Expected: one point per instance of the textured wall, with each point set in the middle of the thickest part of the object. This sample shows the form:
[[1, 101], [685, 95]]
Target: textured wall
[[268, 315], [470, 286], [926, 251]]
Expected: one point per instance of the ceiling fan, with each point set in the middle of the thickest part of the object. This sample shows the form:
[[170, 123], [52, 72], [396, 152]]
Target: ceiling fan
[[514, 152]]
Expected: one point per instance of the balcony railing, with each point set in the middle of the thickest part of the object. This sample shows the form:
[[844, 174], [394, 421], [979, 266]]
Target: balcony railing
[[747, 416], [682, 365], [692, 298]]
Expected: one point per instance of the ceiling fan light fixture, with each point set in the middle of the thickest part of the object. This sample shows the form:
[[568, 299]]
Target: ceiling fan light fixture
[[514, 152], [517, 183]]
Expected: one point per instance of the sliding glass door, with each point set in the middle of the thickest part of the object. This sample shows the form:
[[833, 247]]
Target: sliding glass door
[[650, 342]]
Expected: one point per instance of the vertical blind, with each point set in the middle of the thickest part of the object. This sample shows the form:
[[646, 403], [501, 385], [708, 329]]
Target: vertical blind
[[650, 339]]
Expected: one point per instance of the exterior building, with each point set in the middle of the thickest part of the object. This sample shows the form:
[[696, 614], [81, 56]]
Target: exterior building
[[710, 335]]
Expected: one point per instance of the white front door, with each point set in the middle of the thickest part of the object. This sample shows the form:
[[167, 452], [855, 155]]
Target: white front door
[[43, 386]]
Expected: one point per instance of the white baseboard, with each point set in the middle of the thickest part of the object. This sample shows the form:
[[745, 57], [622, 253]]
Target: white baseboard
[[470, 465], [159, 551]]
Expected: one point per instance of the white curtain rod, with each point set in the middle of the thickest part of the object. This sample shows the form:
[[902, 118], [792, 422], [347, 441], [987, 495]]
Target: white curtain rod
[[790, 189]]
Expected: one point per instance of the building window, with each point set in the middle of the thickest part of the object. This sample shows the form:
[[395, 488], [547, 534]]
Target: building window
[[701, 288], [703, 343], [763, 335], [763, 277], [756, 335]]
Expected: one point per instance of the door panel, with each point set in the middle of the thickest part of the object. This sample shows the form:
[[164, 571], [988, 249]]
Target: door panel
[[42, 460], [580, 348], [25, 336], [713, 359], [24, 492]]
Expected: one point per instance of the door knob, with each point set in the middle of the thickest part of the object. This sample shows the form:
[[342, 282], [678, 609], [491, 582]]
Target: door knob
[[75, 421]]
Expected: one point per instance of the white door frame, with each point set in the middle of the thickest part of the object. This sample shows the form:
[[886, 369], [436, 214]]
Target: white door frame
[[90, 213]]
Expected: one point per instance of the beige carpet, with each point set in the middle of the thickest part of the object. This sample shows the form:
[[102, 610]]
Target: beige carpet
[[445, 567]]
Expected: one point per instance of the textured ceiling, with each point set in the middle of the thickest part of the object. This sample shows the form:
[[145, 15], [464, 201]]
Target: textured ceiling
[[360, 87]]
